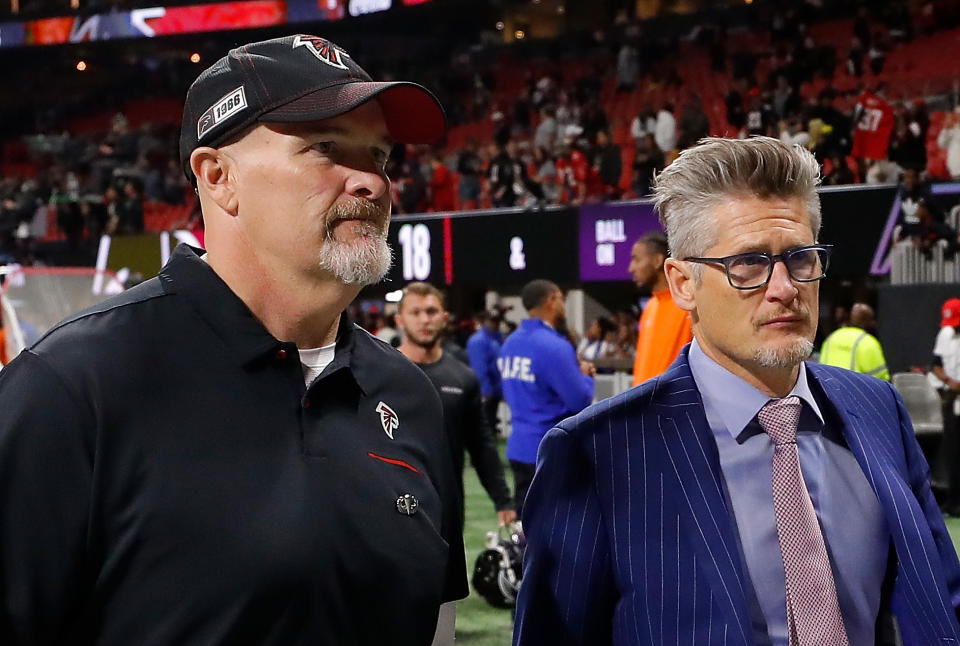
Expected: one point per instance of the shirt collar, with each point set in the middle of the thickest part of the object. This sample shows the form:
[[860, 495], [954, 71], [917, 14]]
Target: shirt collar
[[535, 322], [736, 403], [245, 337]]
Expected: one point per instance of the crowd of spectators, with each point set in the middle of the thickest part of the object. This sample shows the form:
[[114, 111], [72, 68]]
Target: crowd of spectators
[[553, 142], [924, 221], [551, 139], [92, 184]]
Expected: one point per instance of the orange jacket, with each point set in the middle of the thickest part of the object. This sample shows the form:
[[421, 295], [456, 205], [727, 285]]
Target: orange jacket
[[664, 330]]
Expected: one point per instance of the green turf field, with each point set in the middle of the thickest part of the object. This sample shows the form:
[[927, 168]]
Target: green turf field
[[480, 624], [953, 526]]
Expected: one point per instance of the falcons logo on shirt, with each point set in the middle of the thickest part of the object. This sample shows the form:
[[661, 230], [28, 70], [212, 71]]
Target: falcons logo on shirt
[[388, 419], [323, 50]]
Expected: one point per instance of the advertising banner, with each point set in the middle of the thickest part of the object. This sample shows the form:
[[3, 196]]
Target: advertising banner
[[150, 22], [607, 234]]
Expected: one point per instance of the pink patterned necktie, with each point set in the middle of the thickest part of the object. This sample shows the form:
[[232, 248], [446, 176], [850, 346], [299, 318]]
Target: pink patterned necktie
[[813, 613]]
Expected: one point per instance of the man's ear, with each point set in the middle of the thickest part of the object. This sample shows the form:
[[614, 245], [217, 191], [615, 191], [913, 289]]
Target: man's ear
[[216, 176], [661, 262], [682, 283]]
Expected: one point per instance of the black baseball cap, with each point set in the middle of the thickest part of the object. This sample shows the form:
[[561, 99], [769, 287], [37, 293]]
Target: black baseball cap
[[297, 78]]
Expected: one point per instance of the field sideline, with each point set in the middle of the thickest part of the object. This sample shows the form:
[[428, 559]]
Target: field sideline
[[480, 624]]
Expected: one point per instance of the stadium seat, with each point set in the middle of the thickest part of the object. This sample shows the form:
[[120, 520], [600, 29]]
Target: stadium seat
[[921, 400], [158, 217], [833, 32]]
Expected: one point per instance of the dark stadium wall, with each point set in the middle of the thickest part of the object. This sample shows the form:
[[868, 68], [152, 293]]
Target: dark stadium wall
[[854, 218], [908, 319]]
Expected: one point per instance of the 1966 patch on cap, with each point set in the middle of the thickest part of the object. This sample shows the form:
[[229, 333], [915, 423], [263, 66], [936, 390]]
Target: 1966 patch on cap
[[228, 105]]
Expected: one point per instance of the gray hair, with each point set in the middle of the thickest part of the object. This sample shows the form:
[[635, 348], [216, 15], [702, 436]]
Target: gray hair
[[715, 169]]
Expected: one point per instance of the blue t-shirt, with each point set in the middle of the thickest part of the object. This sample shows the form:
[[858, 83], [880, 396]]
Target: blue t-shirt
[[542, 384]]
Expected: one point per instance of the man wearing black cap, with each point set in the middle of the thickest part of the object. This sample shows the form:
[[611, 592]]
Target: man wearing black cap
[[220, 455]]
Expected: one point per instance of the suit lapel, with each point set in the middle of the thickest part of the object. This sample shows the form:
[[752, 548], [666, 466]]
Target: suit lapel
[[858, 433], [693, 465]]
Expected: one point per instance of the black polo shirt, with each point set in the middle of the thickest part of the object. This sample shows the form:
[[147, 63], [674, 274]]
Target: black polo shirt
[[166, 478], [467, 427]]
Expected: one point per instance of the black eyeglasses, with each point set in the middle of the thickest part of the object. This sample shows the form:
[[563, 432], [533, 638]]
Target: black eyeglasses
[[753, 270]]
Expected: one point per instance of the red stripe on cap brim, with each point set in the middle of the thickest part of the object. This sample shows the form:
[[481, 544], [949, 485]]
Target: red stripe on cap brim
[[412, 114]]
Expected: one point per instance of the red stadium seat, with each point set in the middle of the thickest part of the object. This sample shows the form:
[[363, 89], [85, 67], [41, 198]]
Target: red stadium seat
[[158, 216]]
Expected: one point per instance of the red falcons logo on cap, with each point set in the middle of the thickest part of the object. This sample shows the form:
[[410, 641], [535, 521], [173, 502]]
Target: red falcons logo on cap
[[388, 419], [323, 50]]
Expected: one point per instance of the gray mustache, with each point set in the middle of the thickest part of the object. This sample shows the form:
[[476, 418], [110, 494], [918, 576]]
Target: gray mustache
[[375, 212]]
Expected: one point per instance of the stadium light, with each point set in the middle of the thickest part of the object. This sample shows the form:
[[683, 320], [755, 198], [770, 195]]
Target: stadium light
[[81, 66], [195, 57]]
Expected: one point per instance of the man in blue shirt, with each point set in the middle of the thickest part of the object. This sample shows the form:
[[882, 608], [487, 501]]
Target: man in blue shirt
[[543, 382], [483, 347], [744, 497]]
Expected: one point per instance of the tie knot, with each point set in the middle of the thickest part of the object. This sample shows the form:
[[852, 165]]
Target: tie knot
[[779, 418]]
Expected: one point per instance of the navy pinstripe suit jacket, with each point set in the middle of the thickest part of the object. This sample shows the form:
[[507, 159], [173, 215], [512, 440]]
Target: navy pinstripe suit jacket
[[631, 541]]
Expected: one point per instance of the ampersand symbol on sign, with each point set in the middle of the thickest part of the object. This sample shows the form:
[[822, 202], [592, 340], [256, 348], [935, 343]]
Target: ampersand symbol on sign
[[518, 260]]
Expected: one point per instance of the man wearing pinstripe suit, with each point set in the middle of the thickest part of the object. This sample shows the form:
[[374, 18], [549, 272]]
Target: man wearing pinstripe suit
[[657, 516]]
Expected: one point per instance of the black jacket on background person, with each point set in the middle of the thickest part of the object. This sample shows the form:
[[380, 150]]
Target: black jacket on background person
[[609, 164], [467, 427], [506, 174]]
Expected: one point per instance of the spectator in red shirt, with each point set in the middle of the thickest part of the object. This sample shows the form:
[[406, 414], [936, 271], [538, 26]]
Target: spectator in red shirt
[[441, 184], [874, 119], [580, 180]]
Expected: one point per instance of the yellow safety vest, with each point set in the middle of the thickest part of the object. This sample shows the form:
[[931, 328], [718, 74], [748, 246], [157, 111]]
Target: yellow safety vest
[[854, 349]]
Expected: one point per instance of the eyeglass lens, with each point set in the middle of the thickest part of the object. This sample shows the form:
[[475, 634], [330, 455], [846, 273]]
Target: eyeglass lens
[[751, 270]]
